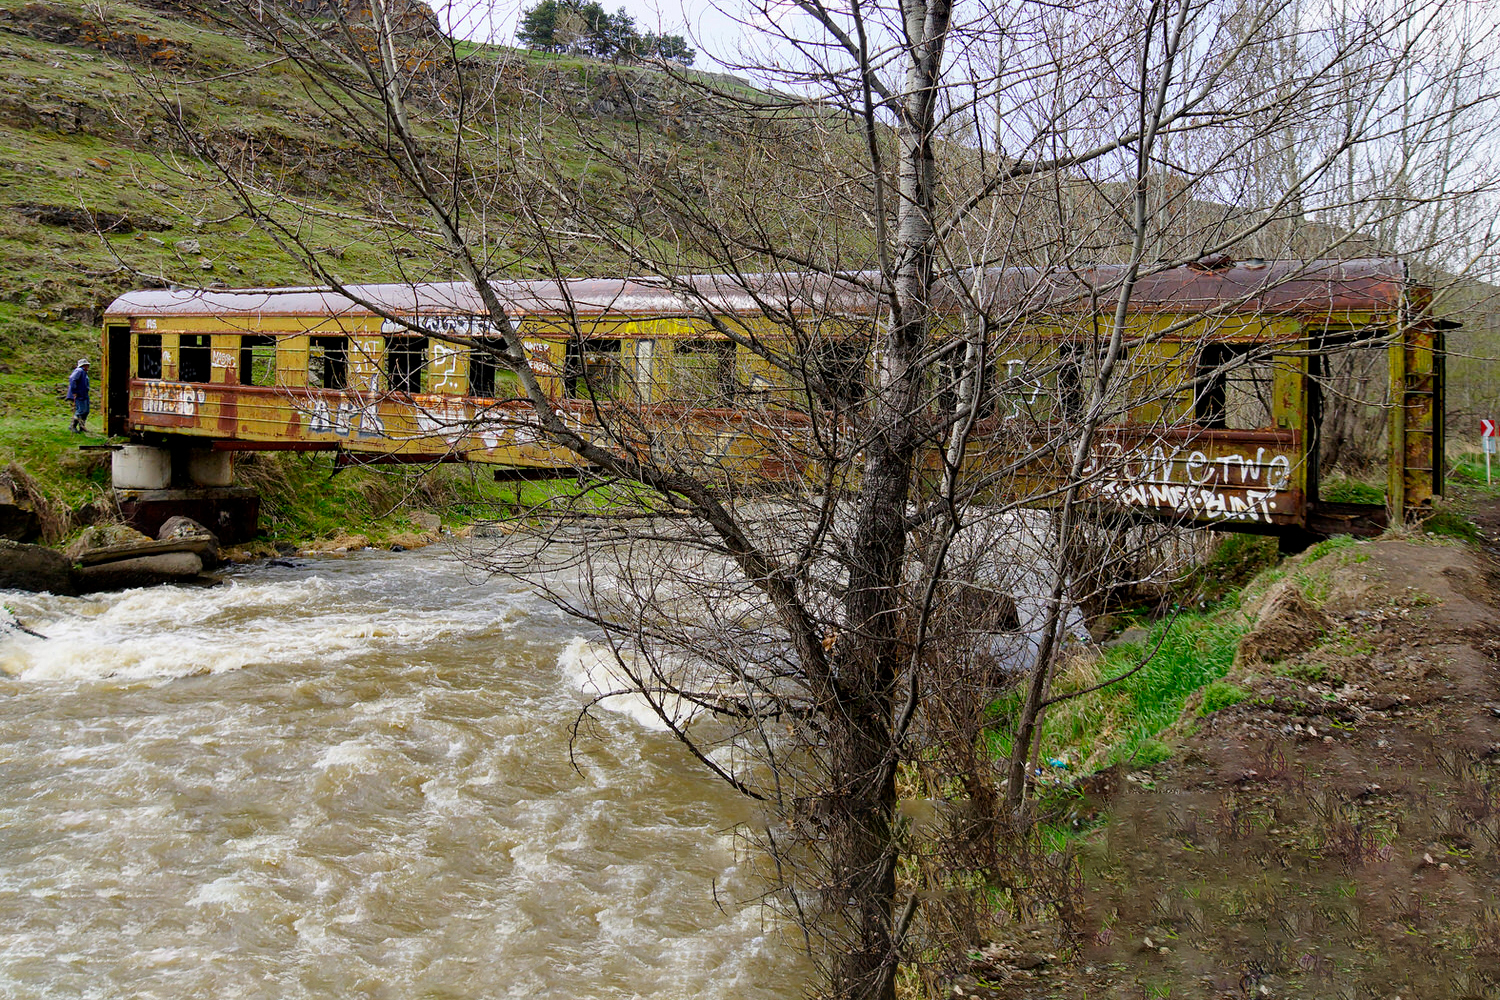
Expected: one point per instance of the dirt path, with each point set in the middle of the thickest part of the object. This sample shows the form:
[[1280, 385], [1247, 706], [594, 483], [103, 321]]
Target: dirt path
[[1337, 833]]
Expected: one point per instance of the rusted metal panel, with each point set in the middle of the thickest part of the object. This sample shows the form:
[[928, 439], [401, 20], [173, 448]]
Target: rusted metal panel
[[1223, 478], [1270, 288]]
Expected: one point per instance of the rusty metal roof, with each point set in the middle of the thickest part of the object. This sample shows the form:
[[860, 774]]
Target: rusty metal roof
[[1277, 287], [1280, 287]]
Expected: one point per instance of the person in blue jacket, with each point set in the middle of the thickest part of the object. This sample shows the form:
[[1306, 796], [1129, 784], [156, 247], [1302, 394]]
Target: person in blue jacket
[[78, 394]]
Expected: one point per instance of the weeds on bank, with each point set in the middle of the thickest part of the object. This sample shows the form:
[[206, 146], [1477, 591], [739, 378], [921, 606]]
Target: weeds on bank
[[1344, 490], [1234, 562], [1122, 723]]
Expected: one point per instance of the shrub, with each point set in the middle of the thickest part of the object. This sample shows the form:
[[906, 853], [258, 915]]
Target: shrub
[[1221, 694]]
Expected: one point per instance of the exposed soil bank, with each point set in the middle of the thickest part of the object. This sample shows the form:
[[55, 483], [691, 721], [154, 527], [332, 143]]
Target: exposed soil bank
[[1334, 834]]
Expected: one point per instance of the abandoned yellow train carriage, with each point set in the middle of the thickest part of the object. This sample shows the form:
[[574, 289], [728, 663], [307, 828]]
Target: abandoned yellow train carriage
[[1222, 387], [313, 369], [309, 369]]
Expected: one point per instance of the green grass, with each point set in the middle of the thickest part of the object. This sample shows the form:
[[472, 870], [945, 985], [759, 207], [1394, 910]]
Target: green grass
[[303, 498], [1449, 521], [1342, 490], [1468, 471], [1234, 562], [1328, 546], [1221, 694], [1123, 722]]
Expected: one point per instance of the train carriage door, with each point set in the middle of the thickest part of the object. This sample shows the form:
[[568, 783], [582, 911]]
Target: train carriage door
[[116, 378]]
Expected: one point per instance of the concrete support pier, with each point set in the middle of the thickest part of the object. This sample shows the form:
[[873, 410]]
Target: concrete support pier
[[154, 483]]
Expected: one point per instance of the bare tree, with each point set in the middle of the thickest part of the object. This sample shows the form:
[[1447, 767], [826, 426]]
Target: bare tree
[[909, 191]]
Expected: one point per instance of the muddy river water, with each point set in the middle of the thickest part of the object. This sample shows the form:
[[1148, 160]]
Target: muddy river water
[[352, 777]]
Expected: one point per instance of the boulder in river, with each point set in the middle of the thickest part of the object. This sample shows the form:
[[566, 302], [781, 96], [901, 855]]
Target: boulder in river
[[35, 568], [138, 571], [22, 506], [184, 528], [114, 556]]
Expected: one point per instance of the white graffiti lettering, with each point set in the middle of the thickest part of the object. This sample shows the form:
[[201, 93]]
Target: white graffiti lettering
[[454, 325], [454, 423], [1155, 463], [327, 420], [171, 400], [539, 357], [1027, 391], [370, 424], [1230, 487], [1192, 501], [1195, 462]]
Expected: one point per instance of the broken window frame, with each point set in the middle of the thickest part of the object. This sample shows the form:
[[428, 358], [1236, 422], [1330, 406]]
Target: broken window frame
[[1225, 376], [406, 367], [703, 373], [195, 358], [486, 373], [148, 355], [258, 360], [328, 362], [593, 368]]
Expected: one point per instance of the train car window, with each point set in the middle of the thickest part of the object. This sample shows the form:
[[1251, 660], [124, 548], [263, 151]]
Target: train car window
[[1234, 388], [591, 369], [257, 360], [193, 361], [328, 362], [148, 355], [487, 378], [1077, 375], [838, 367], [405, 363], [703, 373], [951, 371], [1071, 358]]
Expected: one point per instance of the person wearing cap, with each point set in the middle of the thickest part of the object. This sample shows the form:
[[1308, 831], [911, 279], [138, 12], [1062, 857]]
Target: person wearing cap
[[78, 394]]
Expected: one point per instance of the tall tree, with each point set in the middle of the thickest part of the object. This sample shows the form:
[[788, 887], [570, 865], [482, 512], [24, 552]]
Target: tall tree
[[826, 647]]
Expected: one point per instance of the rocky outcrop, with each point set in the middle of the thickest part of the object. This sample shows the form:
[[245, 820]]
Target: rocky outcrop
[[1288, 624], [18, 516], [35, 568], [62, 26], [89, 220], [25, 513]]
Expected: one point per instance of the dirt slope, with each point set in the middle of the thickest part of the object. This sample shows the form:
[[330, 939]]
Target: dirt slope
[[1336, 833]]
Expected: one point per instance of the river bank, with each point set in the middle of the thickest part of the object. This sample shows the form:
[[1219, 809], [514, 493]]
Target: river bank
[[1324, 820]]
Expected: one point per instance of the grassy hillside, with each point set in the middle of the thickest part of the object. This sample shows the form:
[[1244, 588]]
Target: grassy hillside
[[100, 193]]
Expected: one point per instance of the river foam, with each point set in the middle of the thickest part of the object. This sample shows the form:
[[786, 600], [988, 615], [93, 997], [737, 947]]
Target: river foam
[[356, 777]]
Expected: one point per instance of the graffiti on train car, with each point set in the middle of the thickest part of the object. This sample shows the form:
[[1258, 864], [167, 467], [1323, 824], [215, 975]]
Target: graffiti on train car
[[169, 399], [1028, 388], [539, 356], [538, 352], [358, 417], [1198, 484], [454, 422], [446, 324]]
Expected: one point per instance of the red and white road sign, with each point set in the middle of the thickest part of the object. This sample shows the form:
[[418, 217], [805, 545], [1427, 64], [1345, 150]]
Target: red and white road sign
[[1487, 428]]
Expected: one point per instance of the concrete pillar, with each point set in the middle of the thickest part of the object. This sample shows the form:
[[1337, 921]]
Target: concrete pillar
[[141, 467], [210, 468]]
